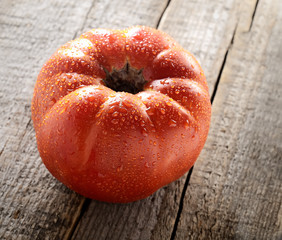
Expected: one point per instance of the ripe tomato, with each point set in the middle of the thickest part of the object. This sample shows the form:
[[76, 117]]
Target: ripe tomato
[[120, 113]]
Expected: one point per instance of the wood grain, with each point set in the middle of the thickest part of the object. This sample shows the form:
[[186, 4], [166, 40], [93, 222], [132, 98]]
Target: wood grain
[[154, 217], [235, 191], [235, 188], [205, 28], [33, 205], [123, 14]]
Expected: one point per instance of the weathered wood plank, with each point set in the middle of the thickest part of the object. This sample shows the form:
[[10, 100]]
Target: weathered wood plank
[[235, 191], [154, 217], [205, 28], [123, 14], [32, 204]]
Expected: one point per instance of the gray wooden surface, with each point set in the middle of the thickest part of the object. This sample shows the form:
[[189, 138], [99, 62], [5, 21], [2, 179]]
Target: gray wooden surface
[[235, 188]]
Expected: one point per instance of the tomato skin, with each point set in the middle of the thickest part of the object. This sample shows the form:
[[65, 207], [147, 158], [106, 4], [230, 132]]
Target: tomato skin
[[117, 146]]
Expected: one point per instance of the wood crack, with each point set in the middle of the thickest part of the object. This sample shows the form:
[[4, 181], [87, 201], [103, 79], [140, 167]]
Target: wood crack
[[161, 17], [79, 214], [227, 203], [253, 16], [173, 234], [2, 150], [223, 64], [84, 21]]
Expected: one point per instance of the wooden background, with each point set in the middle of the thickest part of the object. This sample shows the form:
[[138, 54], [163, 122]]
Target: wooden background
[[234, 190]]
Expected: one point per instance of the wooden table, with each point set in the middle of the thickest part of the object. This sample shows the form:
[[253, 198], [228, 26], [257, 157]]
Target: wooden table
[[234, 190]]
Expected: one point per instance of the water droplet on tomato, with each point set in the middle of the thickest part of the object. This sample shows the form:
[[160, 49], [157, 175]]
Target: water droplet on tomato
[[150, 111], [100, 175], [172, 123], [119, 168], [186, 124], [114, 121], [144, 132], [127, 104], [168, 103], [115, 114], [60, 131], [123, 110]]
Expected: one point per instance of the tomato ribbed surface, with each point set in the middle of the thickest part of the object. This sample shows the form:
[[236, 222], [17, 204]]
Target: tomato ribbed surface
[[119, 146]]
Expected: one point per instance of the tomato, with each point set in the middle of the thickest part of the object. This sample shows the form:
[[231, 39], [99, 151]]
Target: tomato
[[120, 113]]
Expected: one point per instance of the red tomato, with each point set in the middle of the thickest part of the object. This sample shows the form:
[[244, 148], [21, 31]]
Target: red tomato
[[120, 113]]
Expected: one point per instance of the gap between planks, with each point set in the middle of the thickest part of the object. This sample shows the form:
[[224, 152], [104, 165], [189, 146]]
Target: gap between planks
[[173, 234], [161, 17], [253, 16], [85, 19], [223, 64], [80, 212]]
